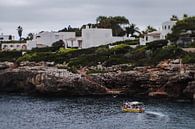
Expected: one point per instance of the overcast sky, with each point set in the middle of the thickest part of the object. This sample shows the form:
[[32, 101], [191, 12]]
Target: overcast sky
[[46, 15]]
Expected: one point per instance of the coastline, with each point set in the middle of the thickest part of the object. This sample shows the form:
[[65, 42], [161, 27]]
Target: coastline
[[162, 82]]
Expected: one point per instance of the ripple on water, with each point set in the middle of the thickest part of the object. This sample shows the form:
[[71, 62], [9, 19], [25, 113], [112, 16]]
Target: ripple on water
[[22, 112]]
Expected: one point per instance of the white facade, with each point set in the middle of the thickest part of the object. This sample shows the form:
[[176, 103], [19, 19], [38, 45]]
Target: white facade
[[46, 39], [167, 28], [6, 37], [158, 35], [74, 43], [13, 46], [93, 37]]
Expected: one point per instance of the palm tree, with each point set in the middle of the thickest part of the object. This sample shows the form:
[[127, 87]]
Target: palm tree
[[131, 30], [20, 29], [150, 29]]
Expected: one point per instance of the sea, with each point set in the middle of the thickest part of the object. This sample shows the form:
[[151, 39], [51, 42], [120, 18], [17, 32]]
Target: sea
[[30, 112]]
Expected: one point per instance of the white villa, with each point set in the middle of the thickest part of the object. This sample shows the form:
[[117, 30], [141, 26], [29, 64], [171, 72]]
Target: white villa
[[8, 44], [6, 37], [13, 46], [45, 39], [158, 35], [91, 37]]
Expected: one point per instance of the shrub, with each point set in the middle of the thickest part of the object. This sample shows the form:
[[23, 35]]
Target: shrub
[[58, 44], [102, 51], [189, 58], [168, 52], [157, 44], [66, 50], [115, 61], [10, 55], [120, 49]]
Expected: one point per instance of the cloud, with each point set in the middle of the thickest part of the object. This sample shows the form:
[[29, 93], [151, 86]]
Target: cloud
[[35, 15], [14, 3]]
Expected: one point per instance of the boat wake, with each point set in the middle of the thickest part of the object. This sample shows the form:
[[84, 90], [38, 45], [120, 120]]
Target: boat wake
[[155, 114]]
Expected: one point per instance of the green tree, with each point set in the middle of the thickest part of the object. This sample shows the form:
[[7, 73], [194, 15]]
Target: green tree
[[131, 30], [174, 18], [113, 23], [58, 44], [150, 29], [185, 16], [181, 27], [30, 36]]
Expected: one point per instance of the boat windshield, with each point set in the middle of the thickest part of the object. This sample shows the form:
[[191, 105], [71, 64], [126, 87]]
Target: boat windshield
[[133, 105]]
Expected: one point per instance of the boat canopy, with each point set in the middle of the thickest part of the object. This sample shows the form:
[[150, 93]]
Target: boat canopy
[[135, 103]]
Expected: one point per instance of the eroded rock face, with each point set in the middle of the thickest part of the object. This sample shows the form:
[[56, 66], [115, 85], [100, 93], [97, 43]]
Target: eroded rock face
[[46, 80], [154, 82], [139, 82]]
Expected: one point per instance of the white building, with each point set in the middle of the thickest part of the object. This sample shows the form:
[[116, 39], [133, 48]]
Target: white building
[[158, 35], [167, 28], [46, 39], [91, 37], [13, 46], [6, 37]]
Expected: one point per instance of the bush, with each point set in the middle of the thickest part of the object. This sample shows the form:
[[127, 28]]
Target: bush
[[115, 61], [45, 49], [127, 42], [120, 49], [10, 55], [102, 51], [189, 58], [156, 44], [58, 44], [66, 50], [168, 52]]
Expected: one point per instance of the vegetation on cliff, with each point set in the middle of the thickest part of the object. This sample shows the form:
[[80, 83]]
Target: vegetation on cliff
[[120, 53]]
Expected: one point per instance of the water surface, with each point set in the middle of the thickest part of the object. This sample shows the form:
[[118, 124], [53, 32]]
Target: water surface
[[23, 112]]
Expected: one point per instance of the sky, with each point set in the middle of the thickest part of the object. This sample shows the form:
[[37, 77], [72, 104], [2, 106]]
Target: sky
[[52, 15]]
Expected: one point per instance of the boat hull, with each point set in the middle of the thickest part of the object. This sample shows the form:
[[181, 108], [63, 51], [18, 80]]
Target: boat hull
[[132, 110]]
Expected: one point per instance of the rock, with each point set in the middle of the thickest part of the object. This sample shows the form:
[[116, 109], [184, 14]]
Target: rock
[[45, 80], [138, 82]]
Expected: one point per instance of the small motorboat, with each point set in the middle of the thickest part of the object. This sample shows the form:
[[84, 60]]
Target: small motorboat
[[134, 107]]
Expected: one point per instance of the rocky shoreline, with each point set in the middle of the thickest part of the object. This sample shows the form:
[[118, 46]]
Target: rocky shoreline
[[167, 80]]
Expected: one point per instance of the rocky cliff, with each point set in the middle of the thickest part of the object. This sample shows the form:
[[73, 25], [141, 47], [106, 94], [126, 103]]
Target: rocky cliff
[[47, 80], [161, 81]]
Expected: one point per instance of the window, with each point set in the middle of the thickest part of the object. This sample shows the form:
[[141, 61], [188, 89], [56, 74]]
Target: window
[[169, 27], [4, 46], [80, 43], [147, 38], [24, 47], [11, 45], [165, 27], [38, 37], [10, 37]]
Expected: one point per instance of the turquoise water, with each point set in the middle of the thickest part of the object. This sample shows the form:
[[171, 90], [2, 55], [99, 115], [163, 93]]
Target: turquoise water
[[23, 112]]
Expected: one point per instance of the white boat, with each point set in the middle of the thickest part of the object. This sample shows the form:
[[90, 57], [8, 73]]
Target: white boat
[[134, 107]]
